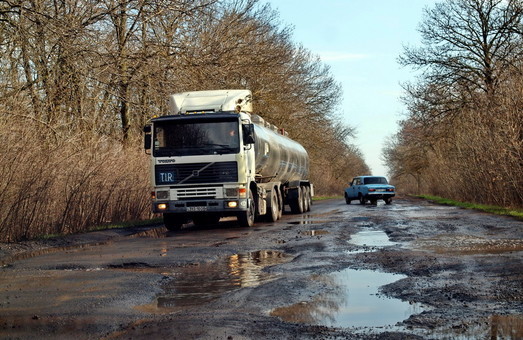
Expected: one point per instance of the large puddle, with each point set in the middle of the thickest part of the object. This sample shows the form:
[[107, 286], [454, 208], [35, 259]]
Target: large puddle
[[197, 284], [352, 301]]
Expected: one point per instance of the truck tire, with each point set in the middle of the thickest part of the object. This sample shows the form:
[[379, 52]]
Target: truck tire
[[173, 222], [296, 203], [280, 205], [273, 212], [246, 218], [306, 200]]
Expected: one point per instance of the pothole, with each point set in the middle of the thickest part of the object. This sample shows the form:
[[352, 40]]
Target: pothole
[[201, 283], [353, 300]]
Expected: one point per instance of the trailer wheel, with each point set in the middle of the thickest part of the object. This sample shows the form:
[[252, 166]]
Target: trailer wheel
[[280, 205], [173, 222], [246, 218], [306, 199], [297, 202]]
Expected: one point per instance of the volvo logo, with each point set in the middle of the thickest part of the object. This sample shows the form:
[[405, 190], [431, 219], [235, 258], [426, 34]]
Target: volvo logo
[[196, 173]]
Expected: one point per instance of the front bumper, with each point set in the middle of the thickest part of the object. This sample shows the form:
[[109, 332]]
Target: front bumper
[[229, 206], [379, 195]]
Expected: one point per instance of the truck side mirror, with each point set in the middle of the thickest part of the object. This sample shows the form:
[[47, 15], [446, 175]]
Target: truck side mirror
[[248, 134], [147, 138]]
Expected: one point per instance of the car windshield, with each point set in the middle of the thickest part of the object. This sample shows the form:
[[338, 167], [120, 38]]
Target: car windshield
[[195, 137], [375, 180]]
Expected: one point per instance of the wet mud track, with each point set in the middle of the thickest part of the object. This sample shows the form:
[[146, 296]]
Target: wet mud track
[[411, 270]]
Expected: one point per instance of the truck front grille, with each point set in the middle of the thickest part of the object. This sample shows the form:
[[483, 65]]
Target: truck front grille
[[196, 173], [192, 193]]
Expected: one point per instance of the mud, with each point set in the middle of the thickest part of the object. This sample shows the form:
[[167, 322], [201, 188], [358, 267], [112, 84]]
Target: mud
[[410, 270]]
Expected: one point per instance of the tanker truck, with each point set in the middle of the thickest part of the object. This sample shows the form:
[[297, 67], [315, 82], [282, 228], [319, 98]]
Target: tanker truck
[[211, 157]]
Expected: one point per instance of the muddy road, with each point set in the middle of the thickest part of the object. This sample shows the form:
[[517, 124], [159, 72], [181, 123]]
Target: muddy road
[[411, 270]]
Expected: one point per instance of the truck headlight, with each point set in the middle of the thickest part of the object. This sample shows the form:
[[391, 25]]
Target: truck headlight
[[232, 204], [162, 206]]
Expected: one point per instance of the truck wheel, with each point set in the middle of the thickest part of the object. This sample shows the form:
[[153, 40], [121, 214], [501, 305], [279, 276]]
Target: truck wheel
[[306, 200], [173, 222], [280, 205], [273, 212], [246, 218], [297, 202], [362, 199]]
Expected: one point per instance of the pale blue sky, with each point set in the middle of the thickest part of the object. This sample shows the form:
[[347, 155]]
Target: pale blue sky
[[361, 41]]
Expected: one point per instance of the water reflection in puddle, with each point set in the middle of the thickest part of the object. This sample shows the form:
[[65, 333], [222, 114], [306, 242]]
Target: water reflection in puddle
[[309, 222], [197, 284], [506, 326], [353, 301], [369, 240], [373, 238], [314, 232], [498, 327]]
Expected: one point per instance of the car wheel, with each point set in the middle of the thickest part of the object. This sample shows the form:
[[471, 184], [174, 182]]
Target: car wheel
[[388, 200], [362, 199], [347, 200]]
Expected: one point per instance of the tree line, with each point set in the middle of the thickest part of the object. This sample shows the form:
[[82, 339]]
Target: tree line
[[462, 136], [79, 80]]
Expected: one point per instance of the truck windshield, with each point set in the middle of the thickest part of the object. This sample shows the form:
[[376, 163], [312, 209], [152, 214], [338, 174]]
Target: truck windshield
[[195, 137]]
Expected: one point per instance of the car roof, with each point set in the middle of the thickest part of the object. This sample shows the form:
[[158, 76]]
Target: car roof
[[366, 176]]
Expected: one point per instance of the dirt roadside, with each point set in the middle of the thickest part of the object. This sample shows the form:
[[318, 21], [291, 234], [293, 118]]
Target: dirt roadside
[[460, 268]]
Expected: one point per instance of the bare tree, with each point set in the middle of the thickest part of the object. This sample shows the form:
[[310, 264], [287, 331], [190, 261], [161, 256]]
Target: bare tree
[[468, 44], [79, 79], [461, 106]]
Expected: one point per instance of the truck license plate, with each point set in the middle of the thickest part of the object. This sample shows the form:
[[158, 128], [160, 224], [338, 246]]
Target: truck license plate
[[194, 209]]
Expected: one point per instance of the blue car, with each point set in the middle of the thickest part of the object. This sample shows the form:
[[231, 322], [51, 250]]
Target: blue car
[[370, 188]]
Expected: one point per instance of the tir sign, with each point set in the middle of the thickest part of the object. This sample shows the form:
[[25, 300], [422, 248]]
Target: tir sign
[[166, 177]]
